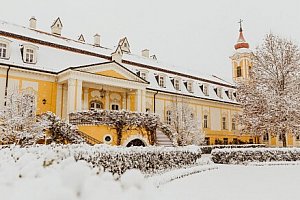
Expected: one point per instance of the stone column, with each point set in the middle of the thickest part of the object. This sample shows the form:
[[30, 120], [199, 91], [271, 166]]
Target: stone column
[[138, 100], [64, 102], [128, 101], [124, 101], [107, 101], [79, 95], [71, 96], [85, 98], [59, 100], [143, 100]]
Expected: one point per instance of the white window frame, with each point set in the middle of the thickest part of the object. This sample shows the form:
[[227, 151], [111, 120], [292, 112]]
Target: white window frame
[[189, 86], [5, 42], [205, 90], [220, 92], [224, 123], [30, 47], [205, 121], [168, 117], [162, 80], [114, 105], [177, 84]]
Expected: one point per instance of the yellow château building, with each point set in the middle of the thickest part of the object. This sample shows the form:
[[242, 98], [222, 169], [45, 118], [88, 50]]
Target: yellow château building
[[72, 75]]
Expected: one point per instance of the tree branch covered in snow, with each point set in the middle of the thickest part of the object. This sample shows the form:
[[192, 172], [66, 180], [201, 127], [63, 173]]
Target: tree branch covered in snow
[[122, 121], [183, 122], [18, 123], [270, 99]]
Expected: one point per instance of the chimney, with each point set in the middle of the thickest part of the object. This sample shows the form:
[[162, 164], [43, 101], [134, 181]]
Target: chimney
[[56, 27], [32, 23], [145, 53], [97, 40]]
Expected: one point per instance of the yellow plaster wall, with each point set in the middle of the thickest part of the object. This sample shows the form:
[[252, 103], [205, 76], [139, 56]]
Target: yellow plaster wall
[[112, 73], [99, 131]]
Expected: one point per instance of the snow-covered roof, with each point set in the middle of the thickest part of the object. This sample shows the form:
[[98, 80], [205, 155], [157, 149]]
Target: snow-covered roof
[[56, 53]]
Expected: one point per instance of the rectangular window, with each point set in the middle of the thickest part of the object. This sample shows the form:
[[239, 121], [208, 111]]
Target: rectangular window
[[219, 92], [3, 50], [29, 56], [115, 107], [233, 125], [266, 137], [205, 90], [161, 81], [189, 86], [176, 84], [144, 75], [238, 71], [169, 119], [224, 123], [207, 141], [205, 121], [225, 141]]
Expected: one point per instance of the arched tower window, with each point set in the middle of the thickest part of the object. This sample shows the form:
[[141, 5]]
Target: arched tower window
[[238, 71]]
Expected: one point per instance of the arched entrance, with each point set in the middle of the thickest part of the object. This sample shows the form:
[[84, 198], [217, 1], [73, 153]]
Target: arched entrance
[[136, 142]]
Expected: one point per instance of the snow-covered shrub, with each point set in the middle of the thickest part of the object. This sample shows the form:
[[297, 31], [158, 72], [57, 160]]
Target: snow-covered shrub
[[207, 149], [112, 159], [122, 120], [61, 131], [243, 156]]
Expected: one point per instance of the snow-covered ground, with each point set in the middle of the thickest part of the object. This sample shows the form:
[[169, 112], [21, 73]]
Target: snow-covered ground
[[237, 182], [30, 177]]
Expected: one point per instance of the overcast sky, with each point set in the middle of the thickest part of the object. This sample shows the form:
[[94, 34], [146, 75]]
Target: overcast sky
[[194, 34]]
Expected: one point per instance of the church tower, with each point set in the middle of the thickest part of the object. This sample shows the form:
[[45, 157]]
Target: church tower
[[241, 59]]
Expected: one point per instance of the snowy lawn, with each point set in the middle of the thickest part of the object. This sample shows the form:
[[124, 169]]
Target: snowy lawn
[[237, 182], [30, 177]]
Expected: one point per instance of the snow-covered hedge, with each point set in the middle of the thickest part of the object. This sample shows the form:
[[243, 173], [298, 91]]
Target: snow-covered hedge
[[113, 159], [244, 156], [207, 149]]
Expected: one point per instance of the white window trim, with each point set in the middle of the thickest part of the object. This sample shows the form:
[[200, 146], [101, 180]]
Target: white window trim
[[8, 48], [32, 47], [179, 85], [220, 92], [145, 72], [206, 89], [191, 84], [164, 80]]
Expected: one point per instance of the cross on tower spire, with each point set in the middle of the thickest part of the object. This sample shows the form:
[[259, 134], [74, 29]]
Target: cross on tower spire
[[240, 22]]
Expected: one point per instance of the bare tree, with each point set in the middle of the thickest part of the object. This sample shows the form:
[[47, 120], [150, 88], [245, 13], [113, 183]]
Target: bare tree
[[18, 119], [183, 121], [270, 98]]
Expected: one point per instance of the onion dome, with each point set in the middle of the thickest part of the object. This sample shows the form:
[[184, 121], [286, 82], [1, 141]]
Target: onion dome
[[241, 43]]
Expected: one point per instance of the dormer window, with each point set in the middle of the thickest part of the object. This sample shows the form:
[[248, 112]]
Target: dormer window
[[204, 89], [143, 74], [4, 48], [30, 53], [230, 94], [176, 83], [161, 81], [189, 86], [219, 92]]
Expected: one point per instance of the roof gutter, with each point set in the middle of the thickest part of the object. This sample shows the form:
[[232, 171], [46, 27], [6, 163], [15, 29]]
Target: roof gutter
[[6, 85], [154, 102]]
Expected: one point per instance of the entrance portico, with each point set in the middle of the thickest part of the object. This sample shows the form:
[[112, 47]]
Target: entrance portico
[[103, 86]]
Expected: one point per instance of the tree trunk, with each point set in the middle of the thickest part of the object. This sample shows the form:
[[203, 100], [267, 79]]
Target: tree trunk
[[283, 140], [119, 134]]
